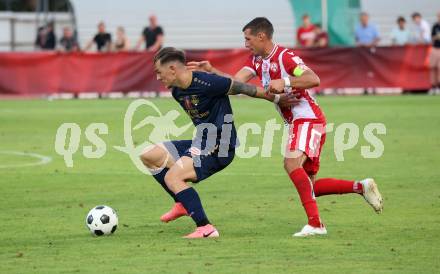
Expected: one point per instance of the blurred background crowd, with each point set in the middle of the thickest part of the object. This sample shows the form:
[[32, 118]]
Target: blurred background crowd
[[402, 38], [414, 30]]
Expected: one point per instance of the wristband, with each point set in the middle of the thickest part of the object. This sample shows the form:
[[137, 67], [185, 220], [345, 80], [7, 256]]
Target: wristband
[[276, 99], [286, 82]]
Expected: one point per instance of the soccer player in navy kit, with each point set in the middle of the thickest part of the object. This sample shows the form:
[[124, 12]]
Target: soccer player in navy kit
[[204, 97]]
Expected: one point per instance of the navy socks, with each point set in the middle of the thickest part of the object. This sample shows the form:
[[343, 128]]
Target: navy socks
[[160, 178], [191, 201]]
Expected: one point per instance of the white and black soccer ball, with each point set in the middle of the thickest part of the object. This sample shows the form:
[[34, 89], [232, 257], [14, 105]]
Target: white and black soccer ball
[[102, 220]]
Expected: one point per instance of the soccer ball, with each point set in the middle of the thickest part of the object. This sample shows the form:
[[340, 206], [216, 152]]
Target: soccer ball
[[102, 220]]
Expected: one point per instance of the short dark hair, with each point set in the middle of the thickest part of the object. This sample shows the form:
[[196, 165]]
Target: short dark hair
[[169, 54], [416, 14], [401, 19], [260, 24]]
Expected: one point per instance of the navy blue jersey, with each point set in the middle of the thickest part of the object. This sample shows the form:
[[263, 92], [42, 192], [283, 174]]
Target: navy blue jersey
[[207, 103]]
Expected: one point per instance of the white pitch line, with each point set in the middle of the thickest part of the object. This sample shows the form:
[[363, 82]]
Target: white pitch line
[[43, 160]]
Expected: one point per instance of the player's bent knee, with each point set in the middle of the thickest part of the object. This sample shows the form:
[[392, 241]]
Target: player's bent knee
[[147, 159], [153, 157], [290, 164]]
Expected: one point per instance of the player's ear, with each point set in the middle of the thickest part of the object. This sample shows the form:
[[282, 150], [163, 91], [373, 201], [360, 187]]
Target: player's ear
[[261, 35], [172, 67]]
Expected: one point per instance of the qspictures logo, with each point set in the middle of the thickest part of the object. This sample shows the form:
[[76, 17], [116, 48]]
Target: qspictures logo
[[164, 129]]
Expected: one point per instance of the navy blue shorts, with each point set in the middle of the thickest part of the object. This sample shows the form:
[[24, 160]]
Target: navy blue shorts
[[204, 165]]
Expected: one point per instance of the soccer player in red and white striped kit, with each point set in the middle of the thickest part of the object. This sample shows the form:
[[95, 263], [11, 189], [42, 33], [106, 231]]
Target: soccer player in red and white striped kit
[[281, 70]]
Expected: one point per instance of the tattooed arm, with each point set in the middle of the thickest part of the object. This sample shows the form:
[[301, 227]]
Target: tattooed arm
[[249, 90], [284, 100]]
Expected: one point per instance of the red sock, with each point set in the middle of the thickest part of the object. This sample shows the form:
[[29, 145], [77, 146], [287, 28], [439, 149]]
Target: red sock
[[327, 186], [305, 190]]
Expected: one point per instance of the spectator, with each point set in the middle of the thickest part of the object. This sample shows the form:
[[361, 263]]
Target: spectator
[[46, 39], [422, 29], [68, 42], [305, 35], [366, 33], [321, 37], [400, 34], [434, 58], [122, 43], [152, 36], [41, 38], [102, 39]]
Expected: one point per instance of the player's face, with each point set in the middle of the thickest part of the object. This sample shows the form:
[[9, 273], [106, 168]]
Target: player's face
[[253, 42], [165, 73]]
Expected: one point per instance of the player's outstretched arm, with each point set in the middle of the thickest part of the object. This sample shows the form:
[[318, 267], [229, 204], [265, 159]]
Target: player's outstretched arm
[[284, 100], [242, 75], [206, 67]]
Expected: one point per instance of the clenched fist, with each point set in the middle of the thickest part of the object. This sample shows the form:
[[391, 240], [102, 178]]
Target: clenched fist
[[276, 86]]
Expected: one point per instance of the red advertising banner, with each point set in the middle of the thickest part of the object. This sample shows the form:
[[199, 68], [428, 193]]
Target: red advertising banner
[[55, 72]]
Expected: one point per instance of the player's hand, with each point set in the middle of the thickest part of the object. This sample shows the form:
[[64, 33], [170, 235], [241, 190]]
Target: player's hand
[[276, 86], [200, 66], [288, 100]]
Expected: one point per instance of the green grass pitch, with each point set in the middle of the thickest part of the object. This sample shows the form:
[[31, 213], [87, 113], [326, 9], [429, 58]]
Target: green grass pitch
[[251, 202]]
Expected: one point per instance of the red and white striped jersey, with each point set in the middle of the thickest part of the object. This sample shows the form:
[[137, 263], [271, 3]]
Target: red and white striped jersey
[[280, 63]]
